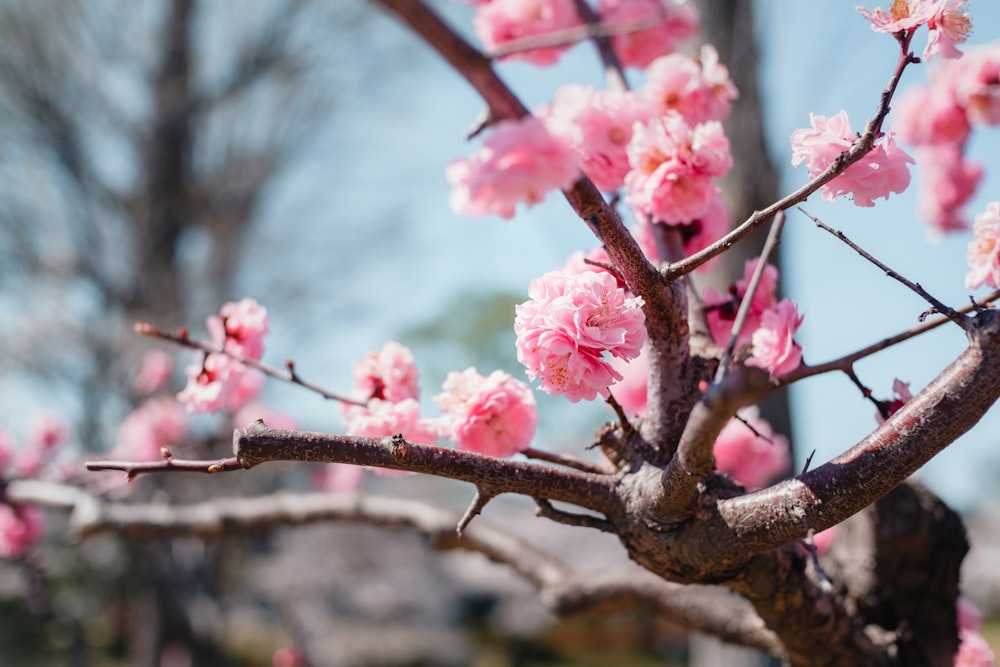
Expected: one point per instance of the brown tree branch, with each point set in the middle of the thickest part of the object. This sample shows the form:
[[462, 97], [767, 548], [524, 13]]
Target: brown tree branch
[[565, 592]]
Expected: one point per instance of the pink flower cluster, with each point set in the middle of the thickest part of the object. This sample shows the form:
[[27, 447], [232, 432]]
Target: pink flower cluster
[[752, 459], [598, 126], [387, 381], [569, 322], [667, 23], [518, 163], [698, 90], [222, 381], [773, 346], [947, 20], [973, 649], [492, 415], [638, 48], [881, 172], [156, 423], [21, 526], [984, 250], [672, 167], [500, 22], [938, 119], [770, 325], [720, 310]]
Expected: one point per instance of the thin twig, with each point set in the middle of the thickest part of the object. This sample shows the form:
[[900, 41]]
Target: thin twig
[[845, 362], [563, 460], [547, 510], [940, 307], [614, 74], [181, 338], [475, 508], [773, 237]]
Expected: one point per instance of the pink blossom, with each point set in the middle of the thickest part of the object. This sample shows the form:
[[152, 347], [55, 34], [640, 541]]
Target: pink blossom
[[984, 250], [380, 419], [20, 528], [698, 91], [157, 367], [931, 115], [973, 650], [568, 323], [598, 125], [947, 20], [696, 234], [882, 171], [750, 459], [949, 25], [338, 478], [46, 434], [631, 391], [500, 22], [518, 163], [288, 657], [975, 80], [251, 412], [948, 182], [720, 310], [6, 447], [211, 384], [389, 374], [901, 396], [245, 325], [672, 168], [772, 345], [637, 48], [493, 415], [158, 422], [968, 616], [823, 540], [245, 386]]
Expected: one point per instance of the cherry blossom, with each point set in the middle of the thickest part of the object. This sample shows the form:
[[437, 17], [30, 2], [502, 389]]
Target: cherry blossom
[[947, 20], [20, 528], [637, 48], [823, 540], [720, 310], [244, 325], [210, 384], [696, 235], [492, 415], [931, 115], [381, 419], [698, 91], [502, 21], [155, 371], [389, 374], [975, 80], [672, 168], [948, 182], [598, 126], [901, 396], [337, 478], [159, 422], [46, 434], [881, 172], [568, 324], [772, 345], [973, 650], [518, 163], [984, 250], [752, 459], [631, 391]]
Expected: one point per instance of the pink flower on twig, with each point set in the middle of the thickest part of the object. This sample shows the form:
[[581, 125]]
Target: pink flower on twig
[[518, 163], [493, 415], [772, 345], [568, 324], [984, 250]]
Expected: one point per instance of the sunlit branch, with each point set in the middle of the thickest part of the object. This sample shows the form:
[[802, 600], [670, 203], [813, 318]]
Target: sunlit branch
[[492, 476]]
